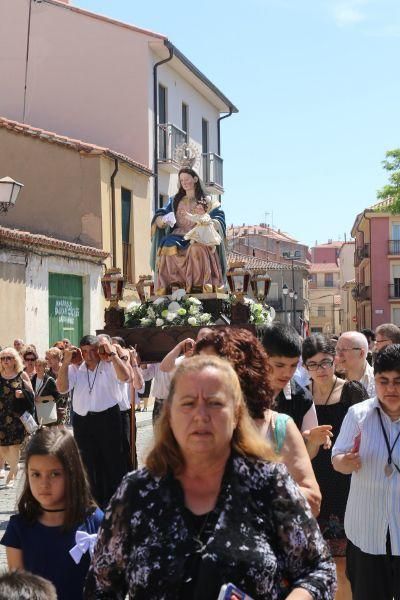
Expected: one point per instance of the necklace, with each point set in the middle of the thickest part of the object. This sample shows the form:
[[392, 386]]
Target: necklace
[[390, 464], [94, 379], [53, 509], [330, 393], [197, 538]]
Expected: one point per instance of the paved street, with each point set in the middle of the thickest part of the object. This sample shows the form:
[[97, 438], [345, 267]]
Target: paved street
[[9, 497]]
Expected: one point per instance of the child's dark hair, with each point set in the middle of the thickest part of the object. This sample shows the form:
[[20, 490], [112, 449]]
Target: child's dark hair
[[79, 503], [22, 585], [202, 202], [282, 340], [387, 359], [315, 344]]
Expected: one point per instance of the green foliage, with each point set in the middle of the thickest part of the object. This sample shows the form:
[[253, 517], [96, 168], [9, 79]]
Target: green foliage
[[391, 191]]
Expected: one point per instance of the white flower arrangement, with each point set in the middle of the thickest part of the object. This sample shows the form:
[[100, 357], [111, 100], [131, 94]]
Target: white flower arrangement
[[179, 309], [260, 314]]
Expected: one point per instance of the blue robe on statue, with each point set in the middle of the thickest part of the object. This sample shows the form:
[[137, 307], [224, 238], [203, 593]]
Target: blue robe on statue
[[164, 237]]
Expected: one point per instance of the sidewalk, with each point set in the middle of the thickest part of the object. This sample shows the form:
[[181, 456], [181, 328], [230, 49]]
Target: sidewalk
[[9, 497]]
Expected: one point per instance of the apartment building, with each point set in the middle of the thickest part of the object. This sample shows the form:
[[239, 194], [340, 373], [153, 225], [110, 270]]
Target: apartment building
[[377, 261], [324, 288]]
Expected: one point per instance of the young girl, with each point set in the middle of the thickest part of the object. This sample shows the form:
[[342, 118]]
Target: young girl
[[55, 504], [204, 231]]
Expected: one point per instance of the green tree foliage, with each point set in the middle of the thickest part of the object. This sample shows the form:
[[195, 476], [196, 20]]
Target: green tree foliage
[[391, 191]]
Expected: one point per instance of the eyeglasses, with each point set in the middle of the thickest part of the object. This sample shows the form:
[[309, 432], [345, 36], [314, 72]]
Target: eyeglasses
[[29, 359], [342, 350], [4, 358], [327, 363]]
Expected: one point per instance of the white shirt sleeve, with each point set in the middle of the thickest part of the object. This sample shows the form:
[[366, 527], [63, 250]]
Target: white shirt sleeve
[[72, 377], [149, 372], [348, 431], [310, 419]]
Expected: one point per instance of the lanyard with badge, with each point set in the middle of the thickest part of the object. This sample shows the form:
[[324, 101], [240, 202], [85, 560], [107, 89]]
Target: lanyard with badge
[[390, 465]]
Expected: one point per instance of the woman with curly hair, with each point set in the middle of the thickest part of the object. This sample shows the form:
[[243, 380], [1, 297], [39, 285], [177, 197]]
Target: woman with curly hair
[[248, 358]]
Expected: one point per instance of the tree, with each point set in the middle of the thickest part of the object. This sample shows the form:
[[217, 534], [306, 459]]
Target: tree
[[391, 191]]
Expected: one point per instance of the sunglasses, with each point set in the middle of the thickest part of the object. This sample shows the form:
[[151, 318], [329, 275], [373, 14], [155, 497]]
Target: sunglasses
[[3, 358], [29, 359]]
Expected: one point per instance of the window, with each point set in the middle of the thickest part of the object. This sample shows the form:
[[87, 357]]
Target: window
[[185, 120], [162, 200], [126, 206], [162, 120], [321, 311], [328, 279], [204, 136], [162, 103], [396, 316]]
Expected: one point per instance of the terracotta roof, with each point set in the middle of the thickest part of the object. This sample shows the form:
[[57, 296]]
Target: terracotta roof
[[239, 231], [78, 145], [27, 239], [323, 268], [252, 262]]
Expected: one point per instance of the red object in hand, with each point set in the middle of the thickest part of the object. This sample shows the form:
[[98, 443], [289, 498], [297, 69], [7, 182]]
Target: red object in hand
[[356, 443]]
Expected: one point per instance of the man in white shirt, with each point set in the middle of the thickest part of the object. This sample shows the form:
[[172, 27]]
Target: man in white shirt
[[96, 419], [351, 357], [368, 447]]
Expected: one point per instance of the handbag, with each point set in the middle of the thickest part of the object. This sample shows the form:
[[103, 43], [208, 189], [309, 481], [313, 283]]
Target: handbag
[[46, 410]]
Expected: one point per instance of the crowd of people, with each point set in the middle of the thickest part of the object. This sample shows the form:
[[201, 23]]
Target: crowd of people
[[275, 466]]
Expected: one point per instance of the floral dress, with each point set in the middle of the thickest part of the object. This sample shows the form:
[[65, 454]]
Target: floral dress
[[260, 536], [12, 431]]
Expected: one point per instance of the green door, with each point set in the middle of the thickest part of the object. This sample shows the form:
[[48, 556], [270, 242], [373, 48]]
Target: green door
[[65, 308]]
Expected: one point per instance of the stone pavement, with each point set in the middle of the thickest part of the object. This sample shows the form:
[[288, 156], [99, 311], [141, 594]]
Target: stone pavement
[[9, 497]]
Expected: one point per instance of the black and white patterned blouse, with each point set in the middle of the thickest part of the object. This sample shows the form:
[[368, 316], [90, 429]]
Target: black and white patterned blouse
[[260, 536]]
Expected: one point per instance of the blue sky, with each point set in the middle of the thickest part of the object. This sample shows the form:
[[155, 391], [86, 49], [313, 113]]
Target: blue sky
[[317, 86]]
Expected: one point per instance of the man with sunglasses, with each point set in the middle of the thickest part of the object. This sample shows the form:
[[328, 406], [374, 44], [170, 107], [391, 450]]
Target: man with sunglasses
[[368, 448], [351, 357]]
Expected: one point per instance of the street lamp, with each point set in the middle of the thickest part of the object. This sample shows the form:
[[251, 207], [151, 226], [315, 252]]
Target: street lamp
[[294, 309], [9, 190], [285, 291]]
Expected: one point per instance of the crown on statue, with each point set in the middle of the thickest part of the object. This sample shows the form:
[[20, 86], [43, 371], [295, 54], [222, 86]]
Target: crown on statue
[[187, 156]]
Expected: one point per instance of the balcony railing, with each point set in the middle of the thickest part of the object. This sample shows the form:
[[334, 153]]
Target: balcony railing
[[213, 170], [169, 138], [127, 261], [361, 293], [394, 247], [360, 253], [394, 290]]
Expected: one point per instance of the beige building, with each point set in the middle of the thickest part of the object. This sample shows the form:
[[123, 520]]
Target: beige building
[[80, 194], [49, 289], [68, 194], [347, 285]]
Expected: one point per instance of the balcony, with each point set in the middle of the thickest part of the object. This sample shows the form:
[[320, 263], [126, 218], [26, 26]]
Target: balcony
[[360, 253], [361, 293], [213, 172], [170, 138], [394, 247], [394, 290]]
